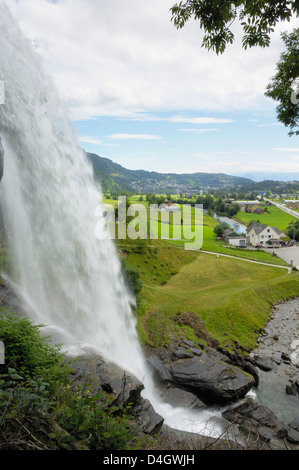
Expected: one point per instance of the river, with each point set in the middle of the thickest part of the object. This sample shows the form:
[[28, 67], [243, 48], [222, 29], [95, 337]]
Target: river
[[237, 227], [279, 344]]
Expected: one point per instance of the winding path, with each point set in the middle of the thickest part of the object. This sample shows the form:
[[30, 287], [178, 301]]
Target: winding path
[[250, 260]]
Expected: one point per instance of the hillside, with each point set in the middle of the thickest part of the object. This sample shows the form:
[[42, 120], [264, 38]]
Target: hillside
[[114, 178]]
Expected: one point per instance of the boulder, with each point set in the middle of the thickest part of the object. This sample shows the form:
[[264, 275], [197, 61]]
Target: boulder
[[241, 362], [124, 388], [182, 353], [160, 372], [292, 388], [211, 379], [189, 343], [264, 363], [180, 398], [196, 351], [285, 357], [146, 418], [293, 436], [294, 424], [260, 425], [108, 377]]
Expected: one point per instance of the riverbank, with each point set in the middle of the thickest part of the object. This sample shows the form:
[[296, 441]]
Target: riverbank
[[279, 361]]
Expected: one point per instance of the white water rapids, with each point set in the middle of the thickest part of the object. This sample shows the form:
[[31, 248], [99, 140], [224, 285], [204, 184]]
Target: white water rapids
[[71, 280]]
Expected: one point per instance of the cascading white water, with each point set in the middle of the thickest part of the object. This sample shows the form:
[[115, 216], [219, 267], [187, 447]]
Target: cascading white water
[[71, 280]]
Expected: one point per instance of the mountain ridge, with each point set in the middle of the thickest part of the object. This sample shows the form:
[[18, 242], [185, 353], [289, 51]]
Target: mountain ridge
[[113, 177]]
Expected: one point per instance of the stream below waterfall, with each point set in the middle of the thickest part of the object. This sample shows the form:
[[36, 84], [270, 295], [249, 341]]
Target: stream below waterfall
[[278, 344]]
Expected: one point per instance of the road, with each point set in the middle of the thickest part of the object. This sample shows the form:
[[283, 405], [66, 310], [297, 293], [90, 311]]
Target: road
[[289, 254], [284, 208]]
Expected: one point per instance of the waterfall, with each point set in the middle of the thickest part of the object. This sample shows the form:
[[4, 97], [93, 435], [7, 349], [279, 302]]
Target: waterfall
[[71, 280]]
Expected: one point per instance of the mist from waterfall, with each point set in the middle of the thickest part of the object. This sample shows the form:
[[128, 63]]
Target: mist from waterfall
[[71, 281]]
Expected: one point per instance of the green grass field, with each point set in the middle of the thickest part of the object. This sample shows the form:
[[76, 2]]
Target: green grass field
[[232, 297], [182, 288], [192, 294], [210, 242], [275, 218]]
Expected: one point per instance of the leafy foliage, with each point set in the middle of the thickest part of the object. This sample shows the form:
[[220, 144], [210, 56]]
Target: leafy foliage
[[219, 229], [94, 421], [281, 87], [39, 409], [293, 230], [26, 351], [257, 18]]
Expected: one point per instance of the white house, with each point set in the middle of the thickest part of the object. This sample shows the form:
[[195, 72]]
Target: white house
[[261, 234], [236, 240]]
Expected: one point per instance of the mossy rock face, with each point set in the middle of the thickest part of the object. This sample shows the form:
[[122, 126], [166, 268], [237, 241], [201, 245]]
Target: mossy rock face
[[123, 388], [108, 377], [192, 320]]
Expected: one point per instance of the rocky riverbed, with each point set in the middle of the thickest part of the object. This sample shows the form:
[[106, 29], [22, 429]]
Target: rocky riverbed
[[277, 358], [270, 411]]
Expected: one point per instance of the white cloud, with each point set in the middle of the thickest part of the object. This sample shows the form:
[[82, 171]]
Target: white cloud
[[135, 136], [200, 131], [270, 124], [287, 149], [121, 58], [199, 120], [210, 163], [89, 140]]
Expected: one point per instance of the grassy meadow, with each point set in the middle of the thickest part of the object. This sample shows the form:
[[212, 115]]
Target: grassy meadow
[[181, 289], [210, 242], [275, 217], [195, 295]]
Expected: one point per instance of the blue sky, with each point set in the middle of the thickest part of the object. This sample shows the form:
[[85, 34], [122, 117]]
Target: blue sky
[[147, 96]]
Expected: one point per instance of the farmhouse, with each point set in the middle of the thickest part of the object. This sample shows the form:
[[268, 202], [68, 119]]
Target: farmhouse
[[236, 240], [260, 234], [254, 209], [247, 204]]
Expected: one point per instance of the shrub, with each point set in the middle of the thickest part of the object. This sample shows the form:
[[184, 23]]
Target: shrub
[[38, 408]]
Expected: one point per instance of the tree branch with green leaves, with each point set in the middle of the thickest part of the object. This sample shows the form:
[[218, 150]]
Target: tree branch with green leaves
[[284, 86], [258, 19]]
